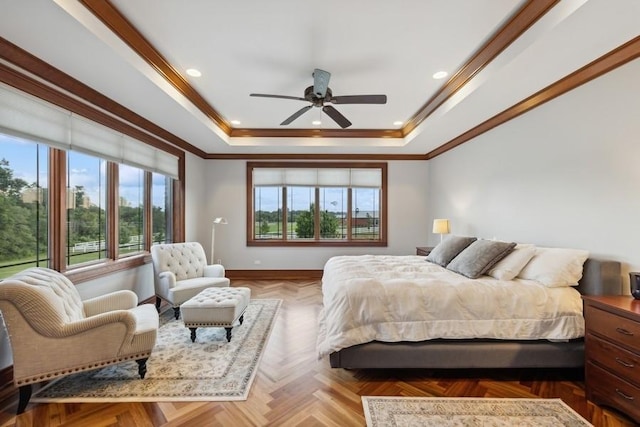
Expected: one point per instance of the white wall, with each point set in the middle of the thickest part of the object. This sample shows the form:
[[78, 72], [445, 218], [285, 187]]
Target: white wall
[[565, 174], [224, 194]]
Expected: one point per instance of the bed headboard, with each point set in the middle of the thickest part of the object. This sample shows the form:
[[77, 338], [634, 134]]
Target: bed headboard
[[600, 277]]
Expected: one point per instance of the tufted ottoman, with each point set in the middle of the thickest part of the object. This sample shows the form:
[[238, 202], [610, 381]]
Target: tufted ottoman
[[219, 307]]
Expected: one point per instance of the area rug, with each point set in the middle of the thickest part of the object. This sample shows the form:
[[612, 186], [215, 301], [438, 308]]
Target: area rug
[[467, 411], [210, 369]]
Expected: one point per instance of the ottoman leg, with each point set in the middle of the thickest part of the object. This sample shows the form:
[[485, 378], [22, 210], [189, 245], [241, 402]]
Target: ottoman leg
[[241, 319], [176, 312], [228, 334], [193, 334]]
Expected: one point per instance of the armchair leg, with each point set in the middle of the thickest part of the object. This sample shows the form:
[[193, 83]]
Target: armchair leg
[[176, 312], [25, 395], [142, 367], [158, 303]]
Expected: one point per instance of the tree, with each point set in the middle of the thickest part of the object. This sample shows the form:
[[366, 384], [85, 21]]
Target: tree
[[17, 239], [305, 224], [328, 225], [264, 227]]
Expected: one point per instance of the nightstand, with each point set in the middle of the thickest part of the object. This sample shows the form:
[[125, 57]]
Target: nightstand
[[423, 250], [612, 352]]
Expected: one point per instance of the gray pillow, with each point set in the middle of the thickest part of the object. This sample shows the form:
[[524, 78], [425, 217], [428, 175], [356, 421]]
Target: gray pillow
[[448, 249], [479, 257]]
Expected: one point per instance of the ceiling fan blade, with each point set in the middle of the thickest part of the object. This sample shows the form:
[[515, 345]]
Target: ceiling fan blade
[[296, 115], [359, 99], [320, 82], [337, 116], [264, 95]]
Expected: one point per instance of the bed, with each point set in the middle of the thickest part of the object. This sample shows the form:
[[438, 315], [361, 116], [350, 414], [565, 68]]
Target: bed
[[365, 324]]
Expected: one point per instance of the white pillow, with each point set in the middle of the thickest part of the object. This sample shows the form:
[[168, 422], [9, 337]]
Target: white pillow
[[555, 267], [509, 267]]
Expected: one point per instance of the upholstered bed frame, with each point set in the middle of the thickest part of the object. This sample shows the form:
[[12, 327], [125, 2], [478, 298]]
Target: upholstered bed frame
[[599, 278]]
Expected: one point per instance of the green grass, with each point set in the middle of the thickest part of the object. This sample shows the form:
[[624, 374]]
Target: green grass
[[7, 270]]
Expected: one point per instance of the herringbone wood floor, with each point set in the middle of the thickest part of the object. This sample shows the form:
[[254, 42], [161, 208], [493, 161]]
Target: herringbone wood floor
[[293, 388]]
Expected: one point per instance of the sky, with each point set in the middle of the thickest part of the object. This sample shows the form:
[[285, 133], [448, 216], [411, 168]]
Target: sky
[[85, 171]]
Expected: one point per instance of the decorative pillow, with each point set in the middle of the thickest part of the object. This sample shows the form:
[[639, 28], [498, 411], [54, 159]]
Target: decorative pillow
[[509, 267], [555, 267], [443, 253], [479, 257]]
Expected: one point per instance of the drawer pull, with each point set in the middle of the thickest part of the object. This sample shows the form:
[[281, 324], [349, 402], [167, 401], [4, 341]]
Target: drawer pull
[[624, 395], [624, 331], [623, 363]]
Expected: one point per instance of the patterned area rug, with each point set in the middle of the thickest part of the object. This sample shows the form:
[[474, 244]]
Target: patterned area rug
[[449, 412], [210, 369]]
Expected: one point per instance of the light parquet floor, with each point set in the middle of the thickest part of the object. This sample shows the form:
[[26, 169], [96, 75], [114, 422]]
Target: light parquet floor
[[293, 388]]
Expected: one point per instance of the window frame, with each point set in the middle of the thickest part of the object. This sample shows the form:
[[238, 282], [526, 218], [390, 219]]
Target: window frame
[[317, 241]]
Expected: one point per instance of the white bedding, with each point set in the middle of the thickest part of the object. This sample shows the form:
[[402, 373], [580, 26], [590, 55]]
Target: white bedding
[[405, 298]]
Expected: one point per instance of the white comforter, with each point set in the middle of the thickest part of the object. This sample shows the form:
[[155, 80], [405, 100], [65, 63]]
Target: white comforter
[[405, 298]]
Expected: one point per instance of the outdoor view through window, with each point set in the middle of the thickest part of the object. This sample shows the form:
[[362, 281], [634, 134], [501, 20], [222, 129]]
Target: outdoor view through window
[[25, 201]]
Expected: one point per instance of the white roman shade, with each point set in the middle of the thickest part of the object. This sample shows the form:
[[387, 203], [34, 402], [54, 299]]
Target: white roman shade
[[317, 177], [28, 117]]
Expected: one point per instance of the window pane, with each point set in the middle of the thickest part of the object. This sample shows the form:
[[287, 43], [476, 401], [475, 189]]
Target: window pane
[[162, 209], [333, 213], [365, 221], [300, 210], [268, 213], [86, 213], [23, 205], [130, 210]]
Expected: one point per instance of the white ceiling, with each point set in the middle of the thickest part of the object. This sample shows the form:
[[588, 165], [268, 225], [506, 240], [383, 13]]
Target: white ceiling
[[369, 46]]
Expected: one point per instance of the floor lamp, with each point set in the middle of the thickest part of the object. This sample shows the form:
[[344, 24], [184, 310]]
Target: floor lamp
[[219, 220]]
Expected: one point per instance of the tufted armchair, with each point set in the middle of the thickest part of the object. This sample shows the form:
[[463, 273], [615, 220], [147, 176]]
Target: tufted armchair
[[54, 333], [181, 272]]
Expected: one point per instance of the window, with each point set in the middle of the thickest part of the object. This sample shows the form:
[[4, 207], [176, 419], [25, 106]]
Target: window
[[75, 193], [323, 204], [130, 210], [162, 196], [86, 208], [24, 205]]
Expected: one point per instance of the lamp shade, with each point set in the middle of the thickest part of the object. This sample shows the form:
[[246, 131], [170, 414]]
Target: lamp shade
[[441, 226], [220, 220]]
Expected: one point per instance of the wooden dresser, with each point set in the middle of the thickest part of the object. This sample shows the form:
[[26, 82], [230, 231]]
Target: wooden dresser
[[612, 351]]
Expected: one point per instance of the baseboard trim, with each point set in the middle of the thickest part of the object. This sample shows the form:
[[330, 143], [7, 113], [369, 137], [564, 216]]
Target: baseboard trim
[[274, 274]]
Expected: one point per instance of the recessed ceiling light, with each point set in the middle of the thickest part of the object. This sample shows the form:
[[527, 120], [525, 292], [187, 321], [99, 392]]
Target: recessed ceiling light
[[316, 122], [398, 123], [440, 75], [193, 72], [235, 122]]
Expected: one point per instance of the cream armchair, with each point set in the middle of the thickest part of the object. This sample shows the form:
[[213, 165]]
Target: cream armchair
[[54, 333], [181, 272]]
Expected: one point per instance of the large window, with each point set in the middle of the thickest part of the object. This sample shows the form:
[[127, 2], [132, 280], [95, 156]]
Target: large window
[[330, 204], [80, 192]]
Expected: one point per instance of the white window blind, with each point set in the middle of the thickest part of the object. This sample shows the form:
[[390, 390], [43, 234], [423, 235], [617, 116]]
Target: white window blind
[[31, 118], [320, 177]]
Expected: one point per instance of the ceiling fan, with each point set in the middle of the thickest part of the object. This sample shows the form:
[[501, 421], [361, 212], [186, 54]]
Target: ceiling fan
[[320, 93]]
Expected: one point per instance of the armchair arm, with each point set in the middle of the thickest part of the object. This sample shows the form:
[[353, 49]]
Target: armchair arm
[[167, 279], [93, 322], [119, 300], [214, 270]]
